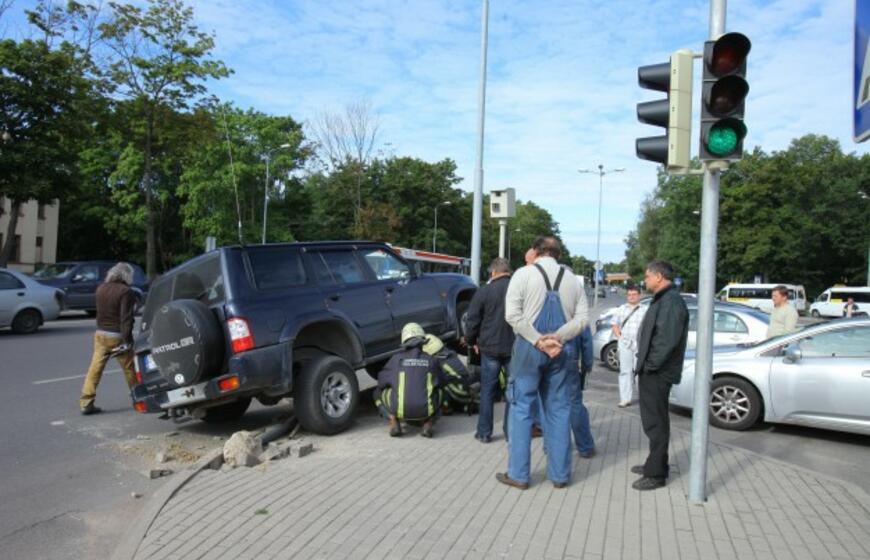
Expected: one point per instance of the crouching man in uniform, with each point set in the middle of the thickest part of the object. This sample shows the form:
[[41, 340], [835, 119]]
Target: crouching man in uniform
[[409, 386]]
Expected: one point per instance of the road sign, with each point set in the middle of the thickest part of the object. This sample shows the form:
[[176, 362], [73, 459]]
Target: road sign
[[861, 86], [678, 281]]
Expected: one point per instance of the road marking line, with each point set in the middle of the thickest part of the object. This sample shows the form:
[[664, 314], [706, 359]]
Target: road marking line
[[71, 377]]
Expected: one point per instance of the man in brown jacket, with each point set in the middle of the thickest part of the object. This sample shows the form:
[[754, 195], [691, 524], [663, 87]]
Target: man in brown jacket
[[115, 306]]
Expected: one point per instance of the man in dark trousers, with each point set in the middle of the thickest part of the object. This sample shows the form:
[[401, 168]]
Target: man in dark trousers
[[661, 349], [489, 334], [409, 386]]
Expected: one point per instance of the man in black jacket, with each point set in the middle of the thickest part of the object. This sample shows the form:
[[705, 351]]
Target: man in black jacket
[[661, 349], [491, 336]]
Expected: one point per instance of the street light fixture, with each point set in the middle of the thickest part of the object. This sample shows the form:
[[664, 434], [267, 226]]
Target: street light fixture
[[268, 157], [435, 226], [601, 173]]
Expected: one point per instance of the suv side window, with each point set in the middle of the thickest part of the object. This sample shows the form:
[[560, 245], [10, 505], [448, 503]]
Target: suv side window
[[337, 267], [278, 267], [386, 266], [88, 273], [9, 282]]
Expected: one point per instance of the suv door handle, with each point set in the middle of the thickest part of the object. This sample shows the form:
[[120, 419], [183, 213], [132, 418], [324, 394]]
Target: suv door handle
[[21, 294]]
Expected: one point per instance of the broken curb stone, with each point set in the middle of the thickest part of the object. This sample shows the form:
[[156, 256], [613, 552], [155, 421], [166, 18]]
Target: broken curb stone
[[242, 450]]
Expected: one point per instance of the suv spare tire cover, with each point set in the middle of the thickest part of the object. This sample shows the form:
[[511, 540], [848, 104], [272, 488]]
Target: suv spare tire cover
[[187, 342]]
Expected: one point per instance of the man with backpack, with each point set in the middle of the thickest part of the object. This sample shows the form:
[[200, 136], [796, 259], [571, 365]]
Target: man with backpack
[[409, 386], [545, 308]]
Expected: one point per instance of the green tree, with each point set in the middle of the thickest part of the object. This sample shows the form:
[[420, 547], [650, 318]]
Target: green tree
[[160, 61], [44, 96]]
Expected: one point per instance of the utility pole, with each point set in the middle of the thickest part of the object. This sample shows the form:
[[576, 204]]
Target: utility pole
[[477, 218], [601, 173], [706, 289]]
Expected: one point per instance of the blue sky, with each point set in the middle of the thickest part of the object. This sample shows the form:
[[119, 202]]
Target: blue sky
[[561, 89]]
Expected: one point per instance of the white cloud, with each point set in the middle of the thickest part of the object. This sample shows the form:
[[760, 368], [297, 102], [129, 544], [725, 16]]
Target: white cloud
[[561, 89]]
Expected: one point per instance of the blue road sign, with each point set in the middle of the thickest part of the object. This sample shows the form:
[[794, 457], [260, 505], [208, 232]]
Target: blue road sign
[[678, 281], [861, 86]]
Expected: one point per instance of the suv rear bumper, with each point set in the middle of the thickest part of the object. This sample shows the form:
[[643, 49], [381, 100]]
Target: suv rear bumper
[[262, 371]]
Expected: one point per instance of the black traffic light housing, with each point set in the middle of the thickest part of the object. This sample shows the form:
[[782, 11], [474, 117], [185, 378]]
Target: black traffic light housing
[[723, 94], [673, 113]]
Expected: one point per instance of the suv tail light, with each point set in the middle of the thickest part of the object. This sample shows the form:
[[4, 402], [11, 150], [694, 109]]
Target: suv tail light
[[240, 334]]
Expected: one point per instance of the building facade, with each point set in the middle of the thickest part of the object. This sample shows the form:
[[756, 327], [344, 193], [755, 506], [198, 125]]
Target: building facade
[[35, 233]]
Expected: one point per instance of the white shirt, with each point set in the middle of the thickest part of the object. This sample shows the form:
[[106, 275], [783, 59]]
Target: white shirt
[[632, 326], [525, 299]]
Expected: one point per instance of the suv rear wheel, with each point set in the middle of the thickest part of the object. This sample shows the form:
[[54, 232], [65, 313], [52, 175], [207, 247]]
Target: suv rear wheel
[[326, 395]]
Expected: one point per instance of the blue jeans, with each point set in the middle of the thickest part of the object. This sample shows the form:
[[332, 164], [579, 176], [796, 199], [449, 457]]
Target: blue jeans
[[579, 416], [490, 366], [533, 373]]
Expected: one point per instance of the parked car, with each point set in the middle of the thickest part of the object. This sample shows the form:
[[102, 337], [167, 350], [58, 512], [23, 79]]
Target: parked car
[[732, 324], [280, 320], [79, 281], [819, 377], [605, 319], [25, 304], [830, 303]]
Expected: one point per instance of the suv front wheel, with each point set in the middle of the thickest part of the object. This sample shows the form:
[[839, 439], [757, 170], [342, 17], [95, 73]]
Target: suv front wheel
[[326, 395]]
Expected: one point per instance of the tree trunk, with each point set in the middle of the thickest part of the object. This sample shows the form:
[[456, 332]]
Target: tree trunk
[[150, 226], [9, 238]]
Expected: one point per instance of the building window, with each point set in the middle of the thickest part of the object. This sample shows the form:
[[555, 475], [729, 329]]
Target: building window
[[39, 241], [40, 211]]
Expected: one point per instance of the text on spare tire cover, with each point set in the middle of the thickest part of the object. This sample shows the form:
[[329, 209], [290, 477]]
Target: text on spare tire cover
[[168, 347]]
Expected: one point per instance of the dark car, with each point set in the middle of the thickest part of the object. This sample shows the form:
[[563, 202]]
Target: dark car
[[79, 281], [284, 320]]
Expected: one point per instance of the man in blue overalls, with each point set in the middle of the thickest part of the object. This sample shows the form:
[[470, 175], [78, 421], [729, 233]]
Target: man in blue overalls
[[547, 310]]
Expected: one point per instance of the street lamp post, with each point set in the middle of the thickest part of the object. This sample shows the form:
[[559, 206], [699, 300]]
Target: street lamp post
[[601, 173], [268, 157], [435, 226]]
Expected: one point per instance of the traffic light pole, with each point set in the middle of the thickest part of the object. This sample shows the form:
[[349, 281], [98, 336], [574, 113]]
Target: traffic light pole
[[706, 291]]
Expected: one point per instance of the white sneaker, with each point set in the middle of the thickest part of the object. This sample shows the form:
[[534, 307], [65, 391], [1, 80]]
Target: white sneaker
[[624, 404]]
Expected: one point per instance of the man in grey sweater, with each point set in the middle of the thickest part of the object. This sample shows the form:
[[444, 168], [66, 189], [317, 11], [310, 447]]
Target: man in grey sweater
[[546, 307]]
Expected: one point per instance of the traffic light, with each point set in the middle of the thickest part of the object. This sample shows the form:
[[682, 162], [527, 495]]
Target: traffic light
[[674, 113], [723, 93]]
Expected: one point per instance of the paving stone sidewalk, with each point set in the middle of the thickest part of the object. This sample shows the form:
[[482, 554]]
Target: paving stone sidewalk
[[365, 495]]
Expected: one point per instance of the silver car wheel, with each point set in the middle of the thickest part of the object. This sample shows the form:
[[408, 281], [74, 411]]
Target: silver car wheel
[[729, 404], [611, 355], [335, 395]]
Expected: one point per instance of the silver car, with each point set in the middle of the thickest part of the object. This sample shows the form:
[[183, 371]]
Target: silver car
[[819, 376], [25, 303], [732, 324]]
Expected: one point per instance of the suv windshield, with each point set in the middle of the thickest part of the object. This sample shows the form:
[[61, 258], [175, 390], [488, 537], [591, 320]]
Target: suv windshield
[[54, 271], [201, 280]]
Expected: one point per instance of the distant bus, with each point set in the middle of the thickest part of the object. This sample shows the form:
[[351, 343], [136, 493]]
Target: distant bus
[[830, 303], [435, 262], [759, 295]]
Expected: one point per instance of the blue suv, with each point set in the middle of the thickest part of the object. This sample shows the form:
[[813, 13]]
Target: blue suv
[[284, 320]]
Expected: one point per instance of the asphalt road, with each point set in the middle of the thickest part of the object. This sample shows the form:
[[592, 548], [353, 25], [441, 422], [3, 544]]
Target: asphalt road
[[68, 479]]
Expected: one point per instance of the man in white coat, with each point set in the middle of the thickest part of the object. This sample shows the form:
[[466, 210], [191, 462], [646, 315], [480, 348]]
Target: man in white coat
[[625, 327]]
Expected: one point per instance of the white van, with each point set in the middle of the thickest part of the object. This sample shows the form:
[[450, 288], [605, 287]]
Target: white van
[[759, 295], [831, 302]]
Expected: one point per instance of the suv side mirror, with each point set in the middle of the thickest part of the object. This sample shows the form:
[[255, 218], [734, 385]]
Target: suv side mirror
[[792, 354]]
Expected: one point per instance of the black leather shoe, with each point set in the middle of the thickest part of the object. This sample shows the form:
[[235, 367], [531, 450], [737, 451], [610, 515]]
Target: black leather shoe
[[560, 485], [587, 454], [483, 439], [637, 469], [91, 409], [649, 483]]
